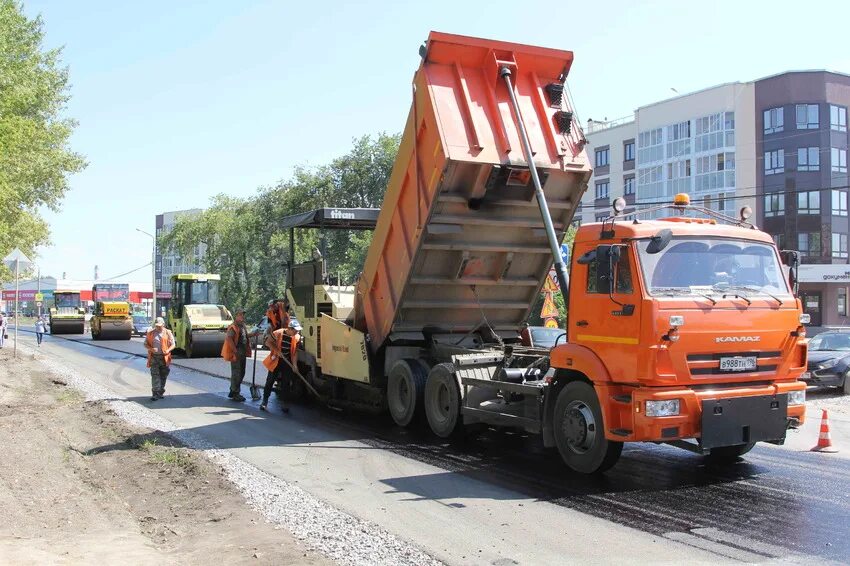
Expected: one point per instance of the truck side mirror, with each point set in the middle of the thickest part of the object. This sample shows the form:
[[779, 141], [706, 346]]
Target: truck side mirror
[[791, 258], [659, 241]]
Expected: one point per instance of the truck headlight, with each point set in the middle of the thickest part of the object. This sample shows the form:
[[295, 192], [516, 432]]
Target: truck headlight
[[797, 397], [828, 364], [666, 408]]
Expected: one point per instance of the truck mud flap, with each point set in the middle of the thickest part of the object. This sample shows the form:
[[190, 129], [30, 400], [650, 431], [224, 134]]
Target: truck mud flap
[[741, 420]]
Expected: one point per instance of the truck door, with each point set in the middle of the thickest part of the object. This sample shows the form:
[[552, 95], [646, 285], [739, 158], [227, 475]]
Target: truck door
[[608, 324]]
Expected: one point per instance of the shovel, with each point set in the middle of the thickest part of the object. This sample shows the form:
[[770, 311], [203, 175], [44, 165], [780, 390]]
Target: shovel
[[255, 391]]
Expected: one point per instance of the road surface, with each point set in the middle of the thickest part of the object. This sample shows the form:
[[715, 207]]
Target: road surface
[[500, 498]]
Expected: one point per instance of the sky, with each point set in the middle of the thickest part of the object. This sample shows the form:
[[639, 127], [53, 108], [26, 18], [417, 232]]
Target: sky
[[180, 101]]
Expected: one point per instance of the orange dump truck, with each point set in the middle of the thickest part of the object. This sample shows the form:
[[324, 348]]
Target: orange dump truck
[[682, 330]]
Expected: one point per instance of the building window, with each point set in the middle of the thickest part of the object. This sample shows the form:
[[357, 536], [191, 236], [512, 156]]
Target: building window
[[602, 157], [809, 243], [774, 120], [779, 240], [629, 185], [842, 301], [839, 203], [808, 202], [678, 139], [602, 190], [807, 117], [714, 132], [839, 245], [601, 217], [629, 151], [774, 162], [838, 160], [837, 118], [808, 158], [650, 146], [774, 204]]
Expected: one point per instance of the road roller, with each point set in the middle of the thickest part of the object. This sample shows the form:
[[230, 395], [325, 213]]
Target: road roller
[[112, 319], [67, 315], [198, 322]]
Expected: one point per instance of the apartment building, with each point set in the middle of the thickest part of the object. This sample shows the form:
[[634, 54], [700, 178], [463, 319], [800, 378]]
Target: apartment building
[[777, 144], [169, 263]]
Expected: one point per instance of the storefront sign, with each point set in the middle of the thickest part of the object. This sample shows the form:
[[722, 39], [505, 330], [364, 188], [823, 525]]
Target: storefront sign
[[825, 273]]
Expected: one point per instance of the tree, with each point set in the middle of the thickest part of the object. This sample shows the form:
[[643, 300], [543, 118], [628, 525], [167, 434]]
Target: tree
[[251, 253], [35, 158]]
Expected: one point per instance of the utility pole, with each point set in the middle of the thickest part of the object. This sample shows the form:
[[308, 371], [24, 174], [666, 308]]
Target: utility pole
[[38, 290]]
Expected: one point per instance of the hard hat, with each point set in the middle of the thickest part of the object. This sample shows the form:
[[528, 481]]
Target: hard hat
[[159, 321], [294, 324]]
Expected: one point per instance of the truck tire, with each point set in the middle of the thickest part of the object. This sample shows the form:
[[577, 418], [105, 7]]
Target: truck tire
[[405, 390], [728, 454], [580, 431], [188, 349], [443, 400]]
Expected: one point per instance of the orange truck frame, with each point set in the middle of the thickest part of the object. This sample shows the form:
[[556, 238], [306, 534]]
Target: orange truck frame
[[683, 330]]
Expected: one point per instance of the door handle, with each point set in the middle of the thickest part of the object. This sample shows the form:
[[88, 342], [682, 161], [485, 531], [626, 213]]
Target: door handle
[[582, 323]]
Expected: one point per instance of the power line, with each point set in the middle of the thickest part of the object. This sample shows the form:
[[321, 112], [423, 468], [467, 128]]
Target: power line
[[148, 264]]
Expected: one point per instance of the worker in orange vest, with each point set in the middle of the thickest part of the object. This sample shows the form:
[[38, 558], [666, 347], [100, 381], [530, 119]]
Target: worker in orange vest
[[159, 343], [236, 350], [274, 341]]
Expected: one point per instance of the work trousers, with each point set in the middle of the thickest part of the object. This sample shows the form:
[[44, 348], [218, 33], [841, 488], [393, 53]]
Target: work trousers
[[282, 373], [237, 374], [39, 336], [159, 373]]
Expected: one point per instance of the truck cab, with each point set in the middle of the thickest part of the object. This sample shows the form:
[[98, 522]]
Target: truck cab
[[687, 328]]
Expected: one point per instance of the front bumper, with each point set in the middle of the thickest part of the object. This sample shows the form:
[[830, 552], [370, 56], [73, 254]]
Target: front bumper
[[756, 412], [822, 378]]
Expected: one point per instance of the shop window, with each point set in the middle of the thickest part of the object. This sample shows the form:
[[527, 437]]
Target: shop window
[[842, 301]]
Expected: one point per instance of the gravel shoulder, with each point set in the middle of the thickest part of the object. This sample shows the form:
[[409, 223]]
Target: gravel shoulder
[[79, 484]]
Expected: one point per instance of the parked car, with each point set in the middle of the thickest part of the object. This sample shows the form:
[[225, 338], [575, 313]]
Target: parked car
[[542, 336], [141, 324], [829, 360]]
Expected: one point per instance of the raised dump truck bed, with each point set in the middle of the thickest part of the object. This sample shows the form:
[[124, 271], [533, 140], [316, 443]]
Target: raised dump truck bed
[[460, 236]]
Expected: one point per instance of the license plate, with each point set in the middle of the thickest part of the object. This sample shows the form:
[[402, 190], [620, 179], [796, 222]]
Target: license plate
[[738, 363], [806, 375]]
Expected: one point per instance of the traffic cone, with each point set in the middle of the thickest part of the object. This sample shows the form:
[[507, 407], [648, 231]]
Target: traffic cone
[[824, 441]]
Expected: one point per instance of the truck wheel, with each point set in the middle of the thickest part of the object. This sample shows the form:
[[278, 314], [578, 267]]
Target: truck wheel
[[442, 400], [580, 431], [405, 390], [728, 454], [188, 349]]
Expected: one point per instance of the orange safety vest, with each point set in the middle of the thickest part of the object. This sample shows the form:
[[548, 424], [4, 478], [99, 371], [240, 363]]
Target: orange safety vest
[[271, 361], [167, 341], [228, 350]]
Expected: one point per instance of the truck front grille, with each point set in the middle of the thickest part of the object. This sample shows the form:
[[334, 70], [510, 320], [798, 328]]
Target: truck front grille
[[701, 365]]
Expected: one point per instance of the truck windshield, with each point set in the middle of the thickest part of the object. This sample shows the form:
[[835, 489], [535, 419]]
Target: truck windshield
[[67, 300], [204, 293], [709, 266]]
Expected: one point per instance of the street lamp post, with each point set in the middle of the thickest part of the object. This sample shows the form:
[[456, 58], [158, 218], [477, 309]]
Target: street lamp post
[[153, 273]]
